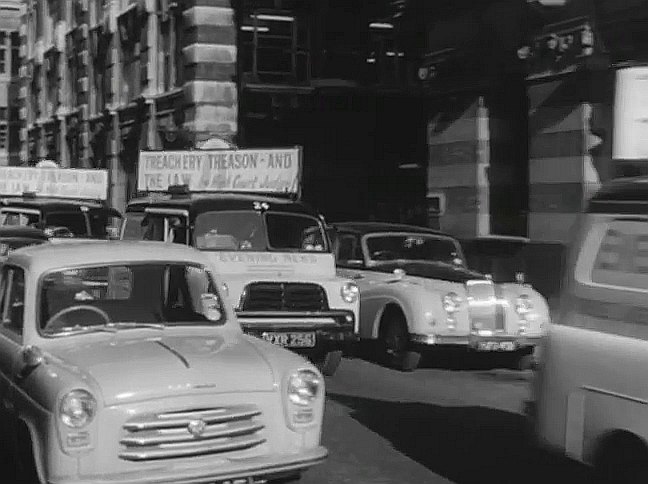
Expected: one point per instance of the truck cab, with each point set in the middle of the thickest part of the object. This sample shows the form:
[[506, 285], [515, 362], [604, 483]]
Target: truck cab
[[271, 249]]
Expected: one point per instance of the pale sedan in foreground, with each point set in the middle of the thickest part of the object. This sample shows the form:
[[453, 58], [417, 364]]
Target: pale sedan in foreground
[[120, 363]]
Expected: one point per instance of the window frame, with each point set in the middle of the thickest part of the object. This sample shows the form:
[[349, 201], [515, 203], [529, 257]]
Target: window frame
[[7, 289]]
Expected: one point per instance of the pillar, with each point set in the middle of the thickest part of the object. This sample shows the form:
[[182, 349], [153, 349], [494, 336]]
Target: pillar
[[458, 160], [210, 68]]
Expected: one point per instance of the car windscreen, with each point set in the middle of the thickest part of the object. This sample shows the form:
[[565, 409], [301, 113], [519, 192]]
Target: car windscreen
[[389, 247], [252, 230], [154, 293], [75, 222]]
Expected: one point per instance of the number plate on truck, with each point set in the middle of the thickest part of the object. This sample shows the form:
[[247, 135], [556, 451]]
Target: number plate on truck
[[290, 340]]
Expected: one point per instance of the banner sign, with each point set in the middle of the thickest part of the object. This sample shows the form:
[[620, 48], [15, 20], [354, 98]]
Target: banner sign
[[245, 170], [54, 182], [630, 137]]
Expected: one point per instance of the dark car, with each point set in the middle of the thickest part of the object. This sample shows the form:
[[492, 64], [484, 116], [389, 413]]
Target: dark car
[[12, 238], [502, 257], [82, 218]]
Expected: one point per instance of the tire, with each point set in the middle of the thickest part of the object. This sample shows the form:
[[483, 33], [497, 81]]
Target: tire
[[24, 466], [623, 460], [394, 345], [329, 363]]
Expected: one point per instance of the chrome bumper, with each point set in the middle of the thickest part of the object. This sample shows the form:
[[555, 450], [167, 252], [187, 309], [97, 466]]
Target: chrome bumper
[[251, 471], [473, 340]]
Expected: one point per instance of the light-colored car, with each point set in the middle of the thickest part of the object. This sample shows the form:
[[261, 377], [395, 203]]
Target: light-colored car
[[416, 293], [120, 363]]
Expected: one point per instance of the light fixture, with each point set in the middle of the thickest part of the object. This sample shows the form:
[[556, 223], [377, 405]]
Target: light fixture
[[278, 18], [394, 54], [250, 28], [409, 166], [371, 60], [381, 25]]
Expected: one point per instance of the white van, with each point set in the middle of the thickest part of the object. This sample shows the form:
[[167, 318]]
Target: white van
[[590, 391]]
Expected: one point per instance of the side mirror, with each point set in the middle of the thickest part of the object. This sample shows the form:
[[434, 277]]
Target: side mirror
[[32, 356], [520, 277], [210, 307]]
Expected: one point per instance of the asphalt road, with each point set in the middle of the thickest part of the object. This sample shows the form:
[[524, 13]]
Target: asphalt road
[[458, 422]]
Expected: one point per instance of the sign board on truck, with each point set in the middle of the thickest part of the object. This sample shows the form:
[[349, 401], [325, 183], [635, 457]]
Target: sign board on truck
[[630, 138], [54, 182], [275, 170]]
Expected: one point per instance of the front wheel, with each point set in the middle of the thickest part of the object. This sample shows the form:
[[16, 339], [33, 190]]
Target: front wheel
[[622, 462], [395, 344], [329, 363]]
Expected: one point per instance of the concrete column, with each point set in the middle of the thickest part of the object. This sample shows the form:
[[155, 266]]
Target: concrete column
[[458, 158], [209, 75], [560, 169]]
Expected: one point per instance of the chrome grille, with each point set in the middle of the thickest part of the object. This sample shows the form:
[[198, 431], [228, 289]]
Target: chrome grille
[[483, 306], [191, 433], [279, 296]]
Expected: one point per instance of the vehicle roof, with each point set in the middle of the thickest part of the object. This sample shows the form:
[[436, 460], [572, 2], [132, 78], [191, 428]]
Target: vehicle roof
[[45, 257], [22, 231], [197, 203], [363, 228], [622, 195], [47, 204]]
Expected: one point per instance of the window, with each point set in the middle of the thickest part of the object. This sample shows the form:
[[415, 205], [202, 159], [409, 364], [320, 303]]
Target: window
[[4, 130], [348, 248], [74, 221], [155, 293], [295, 232], [13, 299], [3, 52], [389, 247], [15, 53]]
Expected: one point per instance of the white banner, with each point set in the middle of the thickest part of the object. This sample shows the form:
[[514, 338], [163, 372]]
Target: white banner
[[244, 170], [630, 138], [54, 182]]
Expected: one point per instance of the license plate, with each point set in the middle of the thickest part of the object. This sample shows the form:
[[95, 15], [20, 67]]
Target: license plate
[[291, 340], [496, 346]]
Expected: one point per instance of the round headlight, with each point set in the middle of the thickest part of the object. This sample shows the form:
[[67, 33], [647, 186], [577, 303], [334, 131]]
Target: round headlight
[[523, 305], [451, 302], [77, 409], [304, 387], [349, 292]]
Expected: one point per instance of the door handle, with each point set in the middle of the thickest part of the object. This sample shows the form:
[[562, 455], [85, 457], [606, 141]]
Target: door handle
[[357, 276]]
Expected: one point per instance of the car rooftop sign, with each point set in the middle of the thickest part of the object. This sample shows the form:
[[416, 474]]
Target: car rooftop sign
[[54, 182], [272, 170]]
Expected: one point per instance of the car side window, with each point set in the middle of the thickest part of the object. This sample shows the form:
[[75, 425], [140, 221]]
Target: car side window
[[348, 249], [610, 278], [13, 299]]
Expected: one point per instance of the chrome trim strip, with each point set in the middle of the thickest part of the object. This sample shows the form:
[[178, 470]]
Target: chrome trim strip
[[614, 394]]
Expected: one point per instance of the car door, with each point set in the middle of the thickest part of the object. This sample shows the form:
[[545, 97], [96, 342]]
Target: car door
[[12, 303]]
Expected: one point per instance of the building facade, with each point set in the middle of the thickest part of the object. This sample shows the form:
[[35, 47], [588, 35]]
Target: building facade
[[103, 79], [10, 17]]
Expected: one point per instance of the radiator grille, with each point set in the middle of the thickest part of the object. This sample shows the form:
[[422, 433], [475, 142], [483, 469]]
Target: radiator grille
[[280, 296], [191, 433]]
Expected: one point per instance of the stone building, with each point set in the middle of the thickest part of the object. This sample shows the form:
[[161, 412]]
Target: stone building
[[10, 15], [103, 79]]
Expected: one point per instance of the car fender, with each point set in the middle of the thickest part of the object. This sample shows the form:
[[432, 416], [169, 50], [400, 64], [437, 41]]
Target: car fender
[[415, 301]]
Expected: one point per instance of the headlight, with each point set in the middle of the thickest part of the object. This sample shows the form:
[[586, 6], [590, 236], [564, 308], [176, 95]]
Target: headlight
[[77, 409], [304, 387], [523, 305], [451, 303], [349, 292]]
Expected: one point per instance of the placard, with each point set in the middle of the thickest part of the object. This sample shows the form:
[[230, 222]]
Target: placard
[[54, 182], [245, 170]]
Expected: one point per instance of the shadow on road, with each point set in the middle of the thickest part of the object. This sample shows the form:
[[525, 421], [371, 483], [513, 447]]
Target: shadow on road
[[467, 445], [457, 359]]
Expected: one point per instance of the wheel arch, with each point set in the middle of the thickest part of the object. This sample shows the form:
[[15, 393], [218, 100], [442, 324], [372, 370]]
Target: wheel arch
[[391, 308], [27, 430], [616, 439]]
